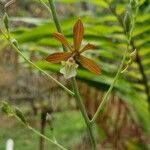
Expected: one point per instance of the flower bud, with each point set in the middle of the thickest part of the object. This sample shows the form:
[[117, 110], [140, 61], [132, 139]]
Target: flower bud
[[134, 5], [20, 115], [133, 54], [10, 3], [127, 22], [5, 108], [6, 21], [15, 42], [49, 119], [132, 58]]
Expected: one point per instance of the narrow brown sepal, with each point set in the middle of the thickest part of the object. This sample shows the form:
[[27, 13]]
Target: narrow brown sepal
[[78, 32], [60, 37], [87, 47], [89, 65], [58, 57]]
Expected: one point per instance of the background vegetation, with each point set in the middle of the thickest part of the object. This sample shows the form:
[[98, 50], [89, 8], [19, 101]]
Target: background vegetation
[[124, 122]]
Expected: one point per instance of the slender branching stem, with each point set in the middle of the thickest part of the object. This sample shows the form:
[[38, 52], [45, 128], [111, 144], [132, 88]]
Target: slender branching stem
[[111, 86], [41, 135], [46, 138], [74, 83], [17, 49], [138, 59], [84, 113], [55, 18], [129, 38], [54, 15], [45, 5]]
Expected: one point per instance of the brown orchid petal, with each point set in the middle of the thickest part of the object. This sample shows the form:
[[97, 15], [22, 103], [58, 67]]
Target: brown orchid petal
[[58, 57], [87, 47], [89, 64], [78, 32], [63, 40]]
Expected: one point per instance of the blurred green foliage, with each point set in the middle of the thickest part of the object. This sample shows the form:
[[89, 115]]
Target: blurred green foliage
[[101, 28]]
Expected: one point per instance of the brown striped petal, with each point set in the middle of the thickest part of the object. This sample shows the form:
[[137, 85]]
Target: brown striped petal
[[58, 57], [89, 65], [62, 39], [78, 32], [87, 47]]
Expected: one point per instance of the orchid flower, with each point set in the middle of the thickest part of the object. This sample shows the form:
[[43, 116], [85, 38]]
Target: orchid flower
[[73, 57]]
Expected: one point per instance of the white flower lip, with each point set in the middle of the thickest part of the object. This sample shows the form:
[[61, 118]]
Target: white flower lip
[[69, 69]]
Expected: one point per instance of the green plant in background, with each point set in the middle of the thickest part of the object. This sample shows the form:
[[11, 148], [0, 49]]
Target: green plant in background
[[128, 25]]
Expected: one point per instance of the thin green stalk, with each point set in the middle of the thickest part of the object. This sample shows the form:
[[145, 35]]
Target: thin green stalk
[[44, 4], [17, 113], [54, 15], [138, 60], [129, 37], [46, 138], [84, 113], [55, 18], [39, 134], [74, 83], [111, 87], [30, 62], [41, 70]]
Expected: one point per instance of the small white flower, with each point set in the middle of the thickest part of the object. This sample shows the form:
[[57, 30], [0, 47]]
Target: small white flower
[[69, 69]]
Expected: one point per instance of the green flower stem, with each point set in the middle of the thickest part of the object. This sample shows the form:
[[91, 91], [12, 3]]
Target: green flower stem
[[55, 18], [41, 70], [44, 4], [46, 138], [84, 113], [74, 83], [111, 86], [129, 39], [54, 15], [17, 113], [39, 134], [34, 65]]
